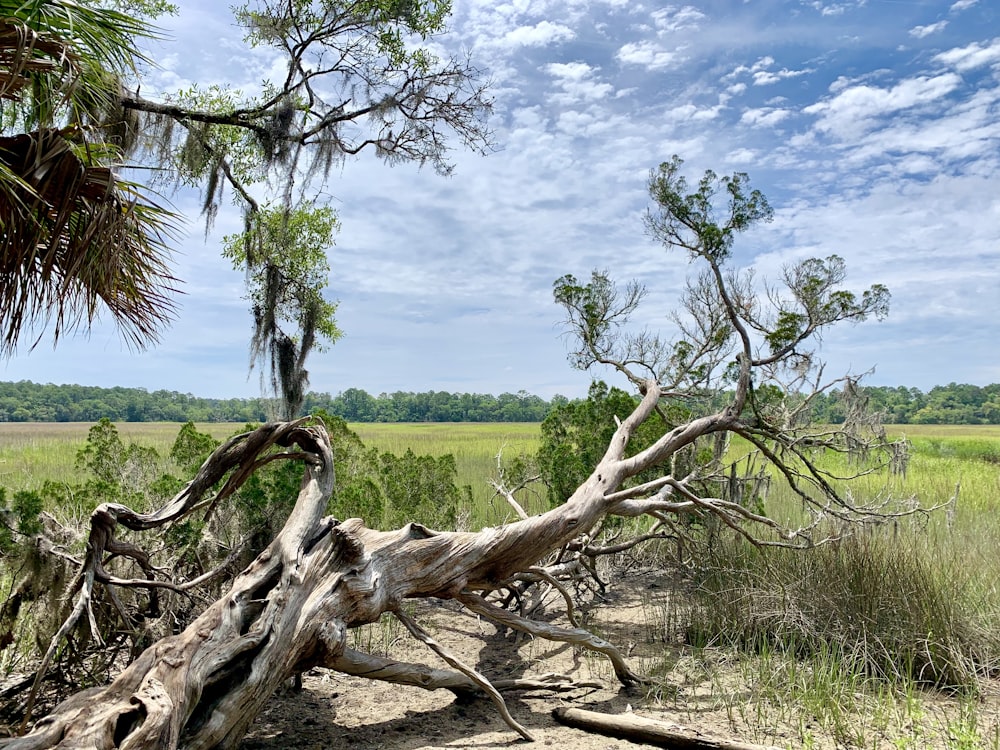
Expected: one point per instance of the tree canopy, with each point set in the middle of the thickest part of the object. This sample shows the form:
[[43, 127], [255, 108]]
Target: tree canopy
[[25, 401]]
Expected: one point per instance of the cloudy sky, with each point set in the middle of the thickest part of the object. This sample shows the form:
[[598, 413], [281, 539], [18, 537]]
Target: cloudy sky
[[873, 126]]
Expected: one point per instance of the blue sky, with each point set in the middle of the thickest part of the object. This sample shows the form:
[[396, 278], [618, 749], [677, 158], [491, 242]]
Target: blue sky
[[873, 126]]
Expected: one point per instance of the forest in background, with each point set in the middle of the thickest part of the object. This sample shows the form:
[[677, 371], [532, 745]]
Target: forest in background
[[25, 401]]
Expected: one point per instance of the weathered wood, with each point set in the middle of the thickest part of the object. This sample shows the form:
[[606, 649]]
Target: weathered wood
[[290, 609], [641, 729], [373, 667]]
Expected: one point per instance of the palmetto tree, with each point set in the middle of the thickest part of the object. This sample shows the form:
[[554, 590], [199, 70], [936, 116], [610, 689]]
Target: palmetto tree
[[75, 238]]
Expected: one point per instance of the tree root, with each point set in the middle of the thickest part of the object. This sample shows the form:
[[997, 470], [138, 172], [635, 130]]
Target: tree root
[[576, 636]]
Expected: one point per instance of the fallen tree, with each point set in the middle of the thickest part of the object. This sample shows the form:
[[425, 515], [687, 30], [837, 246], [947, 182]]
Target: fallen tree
[[290, 609]]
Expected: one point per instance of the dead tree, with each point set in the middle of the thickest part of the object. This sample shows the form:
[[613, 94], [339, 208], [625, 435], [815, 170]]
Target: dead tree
[[291, 608]]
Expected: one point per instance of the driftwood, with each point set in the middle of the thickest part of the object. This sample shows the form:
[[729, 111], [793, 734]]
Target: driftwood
[[290, 609], [641, 729]]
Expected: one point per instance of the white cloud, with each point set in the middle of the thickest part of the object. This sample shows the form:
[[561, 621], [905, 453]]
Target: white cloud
[[850, 112], [693, 113], [576, 79], [972, 56], [539, 35], [962, 5], [762, 63], [840, 84], [647, 54], [761, 74], [921, 31], [966, 130], [767, 77], [740, 156], [671, 18], [764, 117]]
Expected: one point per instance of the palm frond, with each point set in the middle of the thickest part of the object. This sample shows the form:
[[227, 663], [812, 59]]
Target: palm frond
[[74, 241]]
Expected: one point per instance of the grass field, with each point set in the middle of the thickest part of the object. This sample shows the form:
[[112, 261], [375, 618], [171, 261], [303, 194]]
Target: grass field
[[944, 457]]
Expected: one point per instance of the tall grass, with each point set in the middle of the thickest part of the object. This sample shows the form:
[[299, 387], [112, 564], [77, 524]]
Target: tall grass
[[32, 453], [843, 641], [894, 605]]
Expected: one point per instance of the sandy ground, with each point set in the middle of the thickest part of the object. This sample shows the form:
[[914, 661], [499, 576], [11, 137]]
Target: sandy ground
[[334, 710]]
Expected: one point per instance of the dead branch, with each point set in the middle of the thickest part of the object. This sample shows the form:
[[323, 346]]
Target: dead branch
[[373, 667], [641, 729], [576, 636], [453, 661]]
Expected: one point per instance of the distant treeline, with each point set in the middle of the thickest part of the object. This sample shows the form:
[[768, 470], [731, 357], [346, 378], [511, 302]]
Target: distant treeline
[[25, 401], [955, 403]]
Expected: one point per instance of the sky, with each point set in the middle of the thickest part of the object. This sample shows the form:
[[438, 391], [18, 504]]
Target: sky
[[873, 127]]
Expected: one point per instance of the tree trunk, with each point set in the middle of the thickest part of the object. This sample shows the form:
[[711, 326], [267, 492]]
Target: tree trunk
[[289, 610]]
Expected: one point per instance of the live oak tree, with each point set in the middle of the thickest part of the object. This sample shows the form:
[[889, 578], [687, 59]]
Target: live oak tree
[[289, 610], [359, 77]]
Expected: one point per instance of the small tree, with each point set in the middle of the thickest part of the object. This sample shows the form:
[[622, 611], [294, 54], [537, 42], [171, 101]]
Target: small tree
[[289, 610], [285, 256]]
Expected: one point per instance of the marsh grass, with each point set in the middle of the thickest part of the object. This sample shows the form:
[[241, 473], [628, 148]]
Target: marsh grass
[[32, 453], [889, 637]]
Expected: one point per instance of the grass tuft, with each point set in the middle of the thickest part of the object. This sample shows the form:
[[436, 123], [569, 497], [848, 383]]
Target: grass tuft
[[886, 605]]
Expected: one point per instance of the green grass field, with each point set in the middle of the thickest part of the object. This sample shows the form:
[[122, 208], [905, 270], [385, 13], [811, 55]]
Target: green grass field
[[944, 457]]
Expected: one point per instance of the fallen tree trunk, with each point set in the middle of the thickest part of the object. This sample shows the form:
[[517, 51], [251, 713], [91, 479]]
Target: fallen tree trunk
[[290, 609], [642, 729]]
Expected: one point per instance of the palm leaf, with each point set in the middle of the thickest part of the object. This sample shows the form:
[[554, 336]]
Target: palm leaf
[[75, 240]]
